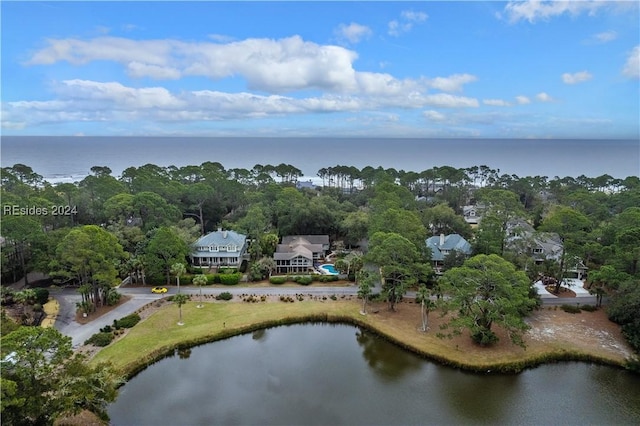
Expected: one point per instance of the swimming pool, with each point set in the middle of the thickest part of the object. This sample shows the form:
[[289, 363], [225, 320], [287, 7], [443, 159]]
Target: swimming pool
[[329, 269]]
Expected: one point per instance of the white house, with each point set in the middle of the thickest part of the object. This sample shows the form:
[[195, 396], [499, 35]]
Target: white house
[[219, 248]]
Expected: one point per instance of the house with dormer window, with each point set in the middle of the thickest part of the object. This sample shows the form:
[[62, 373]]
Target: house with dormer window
[[219, 248]]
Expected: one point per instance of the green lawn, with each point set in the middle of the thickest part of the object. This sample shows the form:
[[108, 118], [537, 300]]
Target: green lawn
[[159, 334]]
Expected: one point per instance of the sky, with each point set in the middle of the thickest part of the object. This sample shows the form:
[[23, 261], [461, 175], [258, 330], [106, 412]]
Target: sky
[[533, 69]]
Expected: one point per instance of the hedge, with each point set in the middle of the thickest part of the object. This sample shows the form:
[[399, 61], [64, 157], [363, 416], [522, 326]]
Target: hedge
[[277, 280]]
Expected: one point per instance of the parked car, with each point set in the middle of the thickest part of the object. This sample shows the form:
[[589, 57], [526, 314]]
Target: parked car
[[159, 290]]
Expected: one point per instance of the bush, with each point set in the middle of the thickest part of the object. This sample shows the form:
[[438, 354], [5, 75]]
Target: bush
[[277, 280], [106, 329], [228, 270], [303, 280], [224, 296], [333, 297], [588, 308], [570, 309], [42, 295], [100, 339], [327, 278], [230, 279], [127, 322]]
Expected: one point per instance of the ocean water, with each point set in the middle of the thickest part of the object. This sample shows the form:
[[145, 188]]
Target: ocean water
[[71, 158]]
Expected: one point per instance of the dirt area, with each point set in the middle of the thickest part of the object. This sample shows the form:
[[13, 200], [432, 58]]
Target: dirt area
[[80, 319], [586, 330], [564, 292], [551, 327]]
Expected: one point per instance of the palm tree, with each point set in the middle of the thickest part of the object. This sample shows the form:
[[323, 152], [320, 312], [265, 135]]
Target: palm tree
[[200, 280], [178, 269], [426, 304], [180, 299]]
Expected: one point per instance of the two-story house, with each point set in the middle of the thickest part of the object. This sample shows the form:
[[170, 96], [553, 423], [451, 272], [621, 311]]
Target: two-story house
[[219, 248]]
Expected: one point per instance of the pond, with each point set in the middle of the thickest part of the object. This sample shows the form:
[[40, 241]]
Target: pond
[[322, 374]]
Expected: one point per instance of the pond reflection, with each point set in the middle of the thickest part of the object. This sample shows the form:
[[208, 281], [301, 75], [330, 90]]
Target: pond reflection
[[318, 374]]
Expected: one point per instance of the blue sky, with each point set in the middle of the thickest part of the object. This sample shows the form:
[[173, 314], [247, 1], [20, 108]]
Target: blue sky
[[393, 69]]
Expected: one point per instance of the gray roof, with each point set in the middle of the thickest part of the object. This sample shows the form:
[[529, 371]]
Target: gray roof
[[219, 238], [313, 239], [451, 242]]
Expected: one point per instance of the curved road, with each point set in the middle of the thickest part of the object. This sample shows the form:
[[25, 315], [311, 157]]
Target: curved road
[[140, 296]]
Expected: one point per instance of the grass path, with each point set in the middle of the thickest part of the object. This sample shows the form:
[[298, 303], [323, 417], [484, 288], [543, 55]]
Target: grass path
[[159, 335]]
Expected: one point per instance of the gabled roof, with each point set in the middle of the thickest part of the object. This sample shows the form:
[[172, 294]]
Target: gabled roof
[[221, 238], [310, 239], [292, 253], [451, 242]]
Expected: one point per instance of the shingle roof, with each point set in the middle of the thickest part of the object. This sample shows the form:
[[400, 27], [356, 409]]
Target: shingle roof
[[313, 239], [219, 238], [451, 242]]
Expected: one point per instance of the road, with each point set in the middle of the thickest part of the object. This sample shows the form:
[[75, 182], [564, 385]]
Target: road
[[140, 296]]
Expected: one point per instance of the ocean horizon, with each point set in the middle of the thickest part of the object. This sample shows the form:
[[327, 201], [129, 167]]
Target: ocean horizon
[[70, 158]]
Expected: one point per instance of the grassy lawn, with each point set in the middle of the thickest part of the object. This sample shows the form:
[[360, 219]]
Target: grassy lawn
[[159, 334]]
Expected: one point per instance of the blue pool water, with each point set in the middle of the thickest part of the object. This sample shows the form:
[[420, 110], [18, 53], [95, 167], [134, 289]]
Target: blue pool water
[[330, 268]]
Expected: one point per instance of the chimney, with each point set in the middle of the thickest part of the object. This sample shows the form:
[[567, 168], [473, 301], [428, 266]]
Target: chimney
[[224, 234], [441, 240]]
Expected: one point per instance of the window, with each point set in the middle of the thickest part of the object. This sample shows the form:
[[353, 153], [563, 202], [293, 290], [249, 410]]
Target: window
[[537, 251]]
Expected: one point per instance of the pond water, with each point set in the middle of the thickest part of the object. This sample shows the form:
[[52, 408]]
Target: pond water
[[322, 374]]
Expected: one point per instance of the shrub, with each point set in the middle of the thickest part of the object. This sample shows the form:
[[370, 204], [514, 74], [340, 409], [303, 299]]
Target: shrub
[[328, 278], [230, 279], [304, 280], [106, 329], [588, 308], [224, 296], [228, 270], [570, 309], [42, 295], [277, 280], [127, 322], [99, 339], [333, 297]]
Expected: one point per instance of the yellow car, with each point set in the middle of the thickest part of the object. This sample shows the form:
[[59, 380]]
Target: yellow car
[[159, 290]]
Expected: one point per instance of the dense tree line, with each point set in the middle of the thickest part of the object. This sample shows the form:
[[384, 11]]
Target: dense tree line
[[140, 223]]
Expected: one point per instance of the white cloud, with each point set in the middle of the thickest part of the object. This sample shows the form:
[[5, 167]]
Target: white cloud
[[432, 115], [523, 100], [411, 16], [452, 83], [272, 65], [605, 37], [536, 10], [445, 100], [543, 97], [578, 77], [632, 66], [353, 33], [406, 22], [496, 102]]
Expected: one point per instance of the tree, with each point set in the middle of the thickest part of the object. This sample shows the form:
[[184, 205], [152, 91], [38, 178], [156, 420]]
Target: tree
[[400, 264], [200, 280], [426, 305], [44, 379], [178, 269], [180, 299], [163, 250], [572, 227], [366, 280], [623, 309], [487, 290], [502, 206], [91, 256], [26, 234]]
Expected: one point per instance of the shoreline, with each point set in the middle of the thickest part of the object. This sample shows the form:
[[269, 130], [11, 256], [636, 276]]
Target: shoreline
[[157, 336]]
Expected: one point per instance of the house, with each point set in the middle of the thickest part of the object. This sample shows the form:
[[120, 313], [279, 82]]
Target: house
[[523, 238], [442, 245], [299, 253], [219, 248], [472, 214], [323, 240]]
